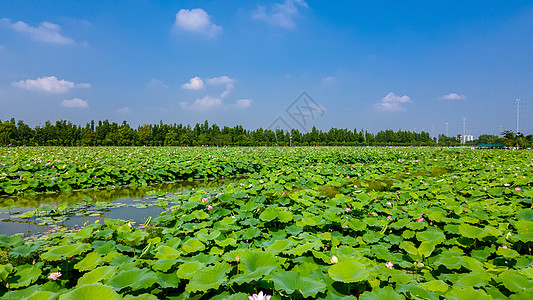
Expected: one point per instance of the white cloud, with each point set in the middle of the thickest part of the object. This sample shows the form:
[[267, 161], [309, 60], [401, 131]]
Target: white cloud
[[155, 83], [222, 80], [195, 83], [196, 20], [46, 32], [75, 103], [453, 96], [202, 104], [243, 103], [124, 110], [49, 84], [281, 14], [391, 102]]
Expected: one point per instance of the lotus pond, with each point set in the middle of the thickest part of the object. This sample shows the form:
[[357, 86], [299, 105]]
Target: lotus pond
[[305, 223]]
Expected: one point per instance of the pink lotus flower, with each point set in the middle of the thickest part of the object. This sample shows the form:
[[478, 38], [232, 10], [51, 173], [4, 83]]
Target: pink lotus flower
[[389, 203], [389, 264], [205, 199], [54, 275], [209, 207], [259, 296], [485, 188], [517, 189], [334, 259], [347, 209], [420, 220], [389, 218]]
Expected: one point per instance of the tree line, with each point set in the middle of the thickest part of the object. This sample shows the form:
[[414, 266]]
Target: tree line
[[105, 133]]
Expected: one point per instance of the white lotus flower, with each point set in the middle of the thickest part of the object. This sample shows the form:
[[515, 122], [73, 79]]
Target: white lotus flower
[[259, 296]]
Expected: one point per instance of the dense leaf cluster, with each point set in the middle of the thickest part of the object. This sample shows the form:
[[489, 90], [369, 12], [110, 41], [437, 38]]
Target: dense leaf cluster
[[401, 223]]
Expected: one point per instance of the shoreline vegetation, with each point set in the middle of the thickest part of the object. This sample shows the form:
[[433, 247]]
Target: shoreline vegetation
[[105, 133]]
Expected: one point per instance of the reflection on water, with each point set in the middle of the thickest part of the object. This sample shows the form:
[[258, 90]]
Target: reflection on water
[[127, 203]]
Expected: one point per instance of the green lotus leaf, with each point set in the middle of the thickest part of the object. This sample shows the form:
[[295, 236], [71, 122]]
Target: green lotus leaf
[[91, 292], [188, 269], [227, 296], [65, 251], [474, 279], [269, 214], [357, 225], [255, 265], [461, 293], [279, 246], [89, 262], [290, 282], [250, 233], [381, 293], [208, 278], [164, 264], [204, 237], [226, 242], [515, 282], [434, 286], [449, 260], [285, 216], [5, 270], [166, 252], [413, 291], [10, 241], [25, 275], [305, 269], [97, 275], [348, 271], [470, 231], [409, 247], [43, 295], [431, 235], [168, 280], [141, 297], [426, 248], [24, 250], [507, 252], [193, 245], [135, 279], [201, 215]]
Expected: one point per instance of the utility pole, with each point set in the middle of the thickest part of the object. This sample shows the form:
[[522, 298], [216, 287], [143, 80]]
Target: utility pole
[[464, 129], [517, 115], [517, 120]]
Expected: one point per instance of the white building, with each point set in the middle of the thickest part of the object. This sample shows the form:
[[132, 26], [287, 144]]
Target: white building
[[466, 138]]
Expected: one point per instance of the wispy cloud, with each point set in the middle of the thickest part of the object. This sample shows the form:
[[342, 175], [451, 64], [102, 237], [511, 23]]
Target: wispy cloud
[[124, 110], [280, 14], [392, 102], [243, 103], [222, 80], [195, 83], [75, 103], [155, 83], [202, 104], [210, 101], [197, 21], [45, 32], [49, 84], [453, 96]]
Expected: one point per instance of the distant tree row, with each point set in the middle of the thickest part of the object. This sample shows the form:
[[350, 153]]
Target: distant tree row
[[105, 133]]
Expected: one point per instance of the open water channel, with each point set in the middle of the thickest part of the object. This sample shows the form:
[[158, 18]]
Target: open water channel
[[33, 216]]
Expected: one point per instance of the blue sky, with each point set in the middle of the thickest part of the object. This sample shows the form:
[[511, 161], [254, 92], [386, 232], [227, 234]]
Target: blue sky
[[376, 65]]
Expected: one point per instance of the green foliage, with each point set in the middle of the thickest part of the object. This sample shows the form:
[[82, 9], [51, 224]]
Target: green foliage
[[427, 234]]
